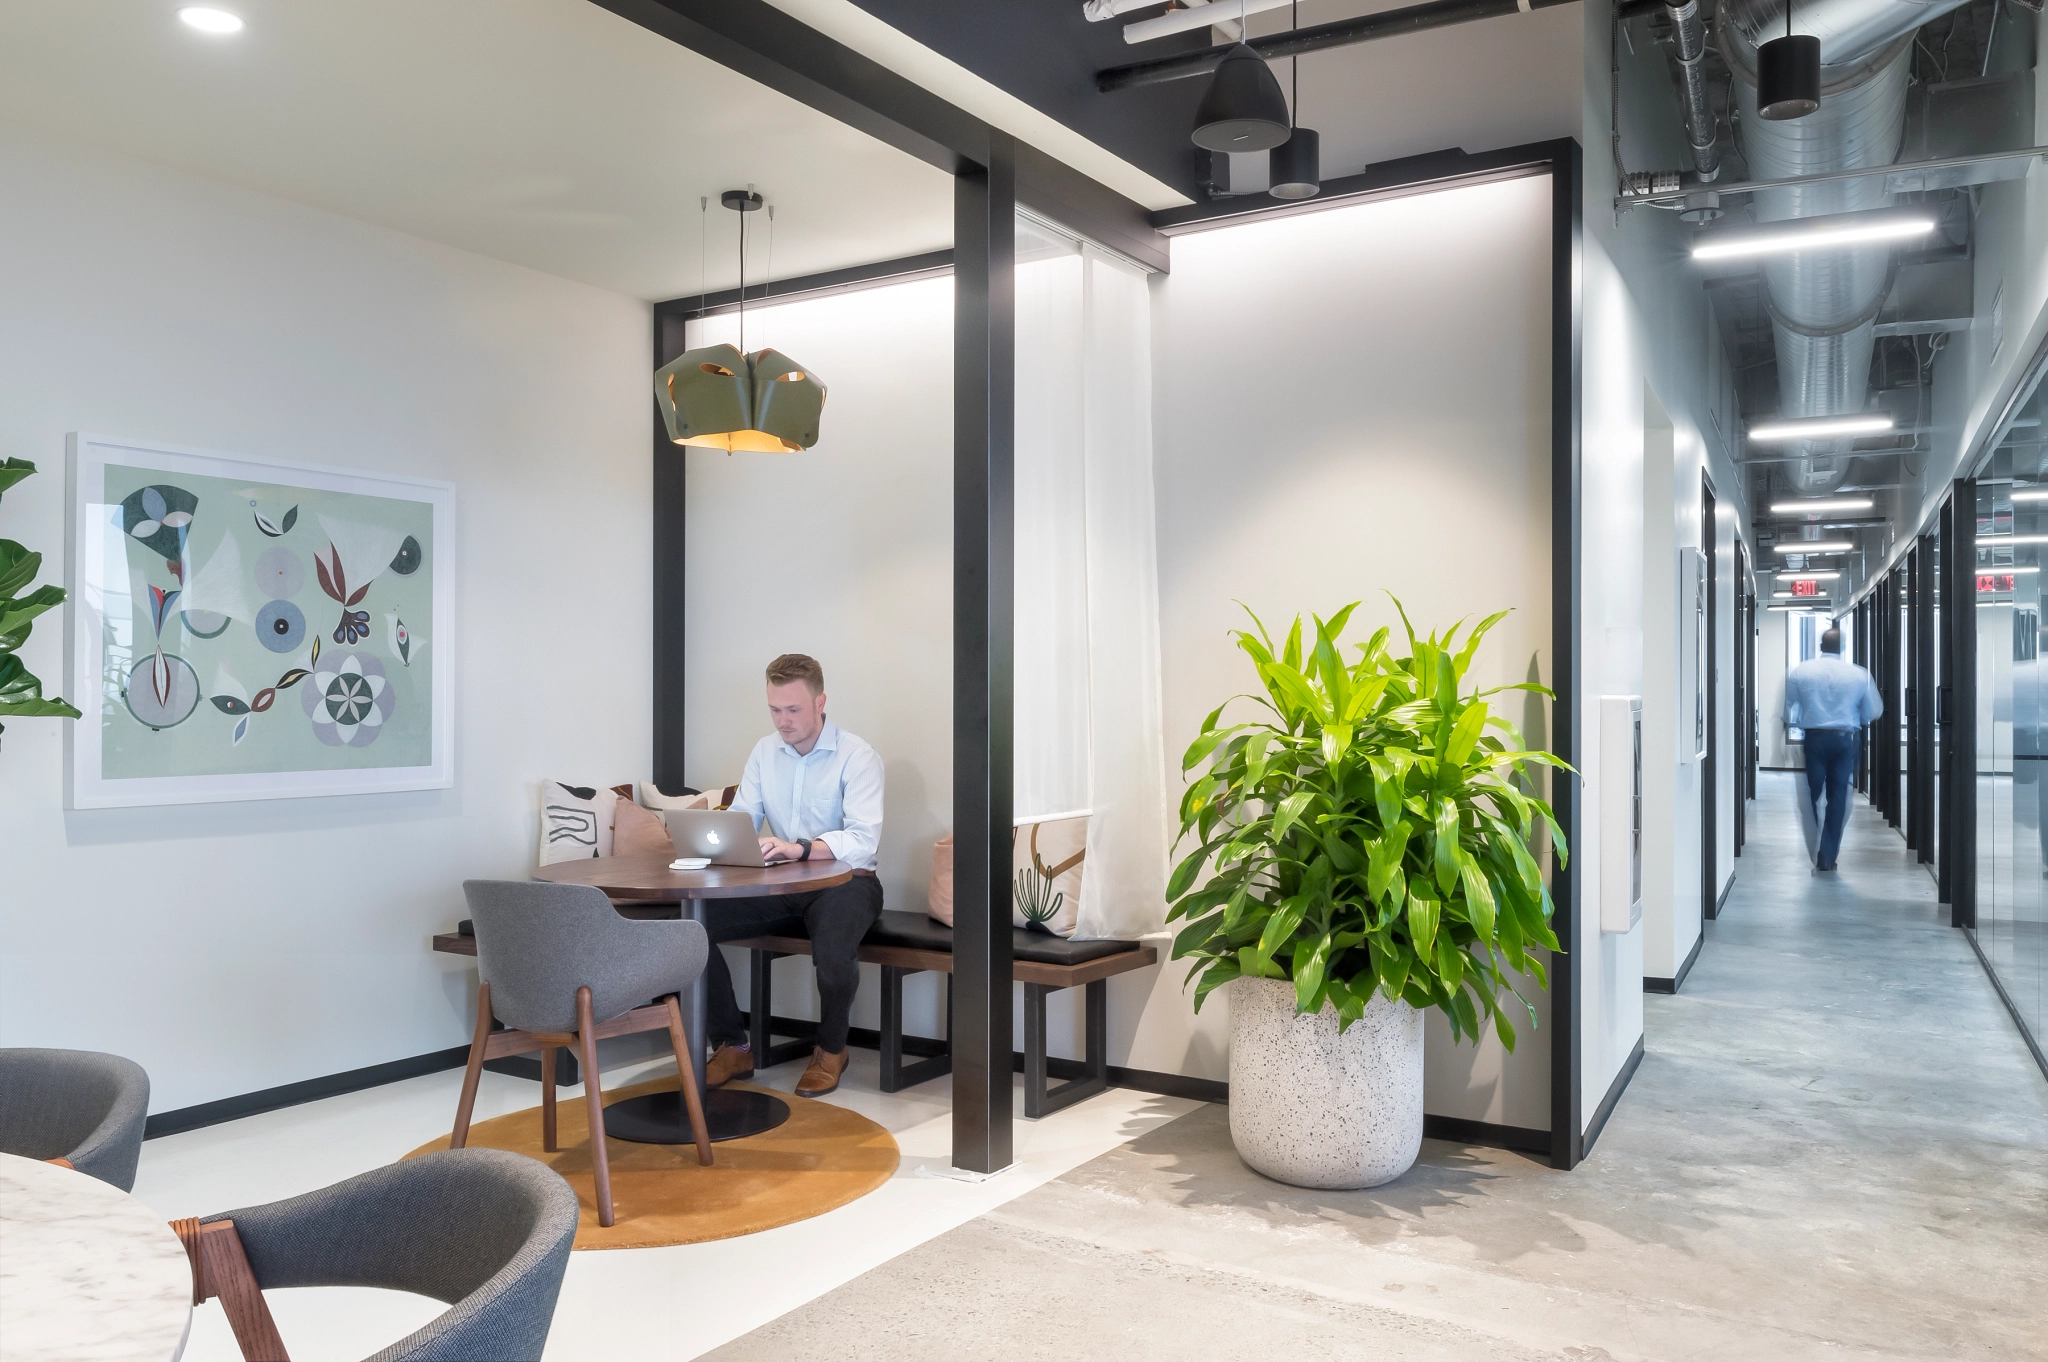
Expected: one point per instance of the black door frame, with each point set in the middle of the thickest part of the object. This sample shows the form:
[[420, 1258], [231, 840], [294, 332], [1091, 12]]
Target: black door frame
[[1920, 819], [1745, 605], [1710, 679], [1958, 714]]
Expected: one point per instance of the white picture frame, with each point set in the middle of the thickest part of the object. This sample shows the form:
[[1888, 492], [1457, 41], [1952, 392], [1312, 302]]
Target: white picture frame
[[87, 569]]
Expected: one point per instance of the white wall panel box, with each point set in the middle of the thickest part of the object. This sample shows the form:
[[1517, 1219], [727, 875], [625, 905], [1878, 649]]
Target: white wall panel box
[[1621, 812], [1692, 656]]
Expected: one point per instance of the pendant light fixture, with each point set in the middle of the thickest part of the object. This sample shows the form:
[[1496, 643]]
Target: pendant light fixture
[[721, 397], [1788, 74], [1295, 165], [1244, 109]]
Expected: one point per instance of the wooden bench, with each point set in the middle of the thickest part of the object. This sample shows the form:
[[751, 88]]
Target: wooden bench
[[903, 944]]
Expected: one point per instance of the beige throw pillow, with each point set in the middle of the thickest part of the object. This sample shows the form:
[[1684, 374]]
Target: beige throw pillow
[[1046, 861], [938, 899], [715, 798], [575, 821]]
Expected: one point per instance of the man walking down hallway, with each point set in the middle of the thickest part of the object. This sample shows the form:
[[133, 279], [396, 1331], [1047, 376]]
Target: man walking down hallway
[[1832, 700]]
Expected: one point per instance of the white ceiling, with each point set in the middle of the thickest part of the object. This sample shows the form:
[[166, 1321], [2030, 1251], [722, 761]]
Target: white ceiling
[[548, 133]]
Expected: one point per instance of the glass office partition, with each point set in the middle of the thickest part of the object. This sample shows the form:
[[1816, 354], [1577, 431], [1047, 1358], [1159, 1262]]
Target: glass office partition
[[2011, 928]]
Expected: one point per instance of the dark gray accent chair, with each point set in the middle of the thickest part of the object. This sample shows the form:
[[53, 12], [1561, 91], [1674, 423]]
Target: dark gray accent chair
[[81, 1106], [487, 1231], [558, 966]]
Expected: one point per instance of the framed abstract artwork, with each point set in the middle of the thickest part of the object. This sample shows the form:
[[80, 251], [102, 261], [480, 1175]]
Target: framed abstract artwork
[[247, 629]]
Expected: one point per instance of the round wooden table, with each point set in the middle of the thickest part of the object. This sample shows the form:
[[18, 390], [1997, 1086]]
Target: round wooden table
[[86, 1270], [646, 879]]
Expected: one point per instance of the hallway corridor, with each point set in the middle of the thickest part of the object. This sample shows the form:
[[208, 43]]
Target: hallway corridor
[[1836, 1147]]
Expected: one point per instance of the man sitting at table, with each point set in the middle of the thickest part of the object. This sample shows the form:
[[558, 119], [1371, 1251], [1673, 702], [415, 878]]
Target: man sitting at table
[[821, 788]]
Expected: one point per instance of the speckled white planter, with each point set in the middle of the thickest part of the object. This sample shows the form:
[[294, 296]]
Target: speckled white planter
[[1316, 1109]]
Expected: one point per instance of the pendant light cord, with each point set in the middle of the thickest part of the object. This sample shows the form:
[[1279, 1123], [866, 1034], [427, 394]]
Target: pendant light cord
[[1294, 70], [743, 279]]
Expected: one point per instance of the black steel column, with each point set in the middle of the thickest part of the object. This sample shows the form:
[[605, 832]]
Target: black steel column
[[1920, 805], [670, 560], [984, 383], [1959, 564], [1567, 225]]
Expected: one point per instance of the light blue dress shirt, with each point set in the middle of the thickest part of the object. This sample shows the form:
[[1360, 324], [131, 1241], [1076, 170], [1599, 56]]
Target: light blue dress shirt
[[831, 794], [1826, 692]]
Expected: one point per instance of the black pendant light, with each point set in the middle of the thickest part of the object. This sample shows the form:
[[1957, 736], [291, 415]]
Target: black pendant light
[[1296, 164], [1244, 109], [1788, 74], [721, 397]]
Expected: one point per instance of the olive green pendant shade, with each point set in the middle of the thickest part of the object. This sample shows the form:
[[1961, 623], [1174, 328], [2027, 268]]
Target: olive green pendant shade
[[718, 398]]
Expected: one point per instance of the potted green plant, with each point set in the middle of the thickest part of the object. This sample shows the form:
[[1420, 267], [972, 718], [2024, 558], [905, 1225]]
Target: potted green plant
[[21, 692], [1373, 848]]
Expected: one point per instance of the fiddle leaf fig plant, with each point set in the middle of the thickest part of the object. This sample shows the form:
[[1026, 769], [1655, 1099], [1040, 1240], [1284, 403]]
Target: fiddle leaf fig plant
[[21, 693], [1377, 829]]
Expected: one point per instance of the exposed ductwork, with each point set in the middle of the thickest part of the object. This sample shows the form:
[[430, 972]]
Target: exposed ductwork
[[1691, 33], [1824, 304]]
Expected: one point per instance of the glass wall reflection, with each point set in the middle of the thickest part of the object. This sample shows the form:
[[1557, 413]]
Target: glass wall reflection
[[2012, 716]]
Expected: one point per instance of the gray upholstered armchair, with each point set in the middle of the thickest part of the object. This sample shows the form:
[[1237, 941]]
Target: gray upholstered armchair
[[81, 1106], [484, 1230], [558, 966]]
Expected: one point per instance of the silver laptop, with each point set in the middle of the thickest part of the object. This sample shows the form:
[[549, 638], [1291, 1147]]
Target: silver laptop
[[723, 836]]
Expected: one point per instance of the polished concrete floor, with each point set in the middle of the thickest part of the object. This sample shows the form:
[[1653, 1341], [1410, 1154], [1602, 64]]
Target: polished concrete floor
[[1836, 1147]]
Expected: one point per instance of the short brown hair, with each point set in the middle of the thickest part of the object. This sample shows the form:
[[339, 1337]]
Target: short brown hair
[[797, 667]]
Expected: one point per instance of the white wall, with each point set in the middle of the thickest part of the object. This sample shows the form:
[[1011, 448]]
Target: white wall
[[1647, 339], [1349, 403], [234, 947]]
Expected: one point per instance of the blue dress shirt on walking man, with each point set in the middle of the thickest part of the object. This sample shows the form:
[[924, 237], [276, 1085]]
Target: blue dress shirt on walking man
[[815, 793], [1832, 700]]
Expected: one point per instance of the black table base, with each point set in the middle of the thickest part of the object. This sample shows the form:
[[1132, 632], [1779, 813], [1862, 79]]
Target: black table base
[[660, 1118]]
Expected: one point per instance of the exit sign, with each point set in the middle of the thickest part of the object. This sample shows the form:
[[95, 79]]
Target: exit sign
[[1807, 588], [1994, 581]]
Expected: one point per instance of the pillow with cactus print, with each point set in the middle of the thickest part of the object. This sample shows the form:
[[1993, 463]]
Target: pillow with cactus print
[[1046, 863]]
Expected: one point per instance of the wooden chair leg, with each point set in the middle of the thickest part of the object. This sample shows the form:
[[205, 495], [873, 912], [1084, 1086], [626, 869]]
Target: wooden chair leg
[[475, 1072], [593, 1097], [547, 1098], [220, 1267], [686, 1078]]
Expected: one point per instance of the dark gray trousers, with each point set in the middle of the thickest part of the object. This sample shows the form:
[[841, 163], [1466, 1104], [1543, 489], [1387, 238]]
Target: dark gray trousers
[[835, 919]]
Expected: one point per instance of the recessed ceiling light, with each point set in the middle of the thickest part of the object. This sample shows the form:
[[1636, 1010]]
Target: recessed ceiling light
[[210, 20], [1820, 427], [1829, 504]]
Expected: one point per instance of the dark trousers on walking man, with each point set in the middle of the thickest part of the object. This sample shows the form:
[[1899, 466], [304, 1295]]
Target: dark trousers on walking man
[[1830, 770]]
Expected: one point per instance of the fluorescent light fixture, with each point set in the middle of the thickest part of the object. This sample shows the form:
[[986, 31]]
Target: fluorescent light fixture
[[1817, 607], [2006, 570], [210, 20], [1822, 427], [1833, 504], [1793, 596], [1988, 542], [1815, 546], [1807, 576], [1827, 232], [2030, 494]]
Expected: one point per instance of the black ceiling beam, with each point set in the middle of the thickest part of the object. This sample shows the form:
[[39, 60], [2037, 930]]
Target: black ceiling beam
[[1365, 28], [765, 45]]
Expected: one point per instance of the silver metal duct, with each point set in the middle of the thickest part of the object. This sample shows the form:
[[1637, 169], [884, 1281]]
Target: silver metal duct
[[1824, 304], [1690, 31]]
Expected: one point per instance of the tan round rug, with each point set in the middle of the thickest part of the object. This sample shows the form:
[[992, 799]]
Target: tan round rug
[[820, 1158]]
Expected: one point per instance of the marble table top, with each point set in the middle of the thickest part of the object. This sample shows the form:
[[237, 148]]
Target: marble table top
[[87, 1272]]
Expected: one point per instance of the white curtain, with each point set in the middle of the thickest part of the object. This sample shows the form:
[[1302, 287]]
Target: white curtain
[[1088, 729]]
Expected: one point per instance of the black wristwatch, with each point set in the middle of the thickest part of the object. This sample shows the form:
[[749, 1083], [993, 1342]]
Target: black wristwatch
[[805, 843]]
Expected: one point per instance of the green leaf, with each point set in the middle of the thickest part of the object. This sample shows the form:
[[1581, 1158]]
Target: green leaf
[[1423, 917], [1280, 927], [1184, 873], [18, 567], [13, 471], [1308, 975], [15, 614], [1214, 976], [1204, 745], [1384, 863], [1290, 809], [1479, 902], [1446, 846], [1196, 935], [37, 709], [1465, 735], [17, 683]]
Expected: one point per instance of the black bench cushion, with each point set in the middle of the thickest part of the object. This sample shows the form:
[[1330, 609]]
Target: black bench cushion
[[919, 932]]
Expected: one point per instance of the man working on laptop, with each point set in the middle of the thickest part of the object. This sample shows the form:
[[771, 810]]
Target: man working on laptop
[[821, 789]]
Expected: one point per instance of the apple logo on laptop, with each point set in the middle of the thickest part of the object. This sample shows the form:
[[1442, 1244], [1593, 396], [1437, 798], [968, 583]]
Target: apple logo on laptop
[[711, 837]]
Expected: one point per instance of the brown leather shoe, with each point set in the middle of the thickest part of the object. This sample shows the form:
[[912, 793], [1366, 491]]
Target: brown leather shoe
[[823, 1074], [729, 1063]]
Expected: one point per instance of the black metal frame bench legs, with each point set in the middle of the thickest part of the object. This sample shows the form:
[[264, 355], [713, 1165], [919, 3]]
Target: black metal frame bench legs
[[897, 1074], [1039, 1100]]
